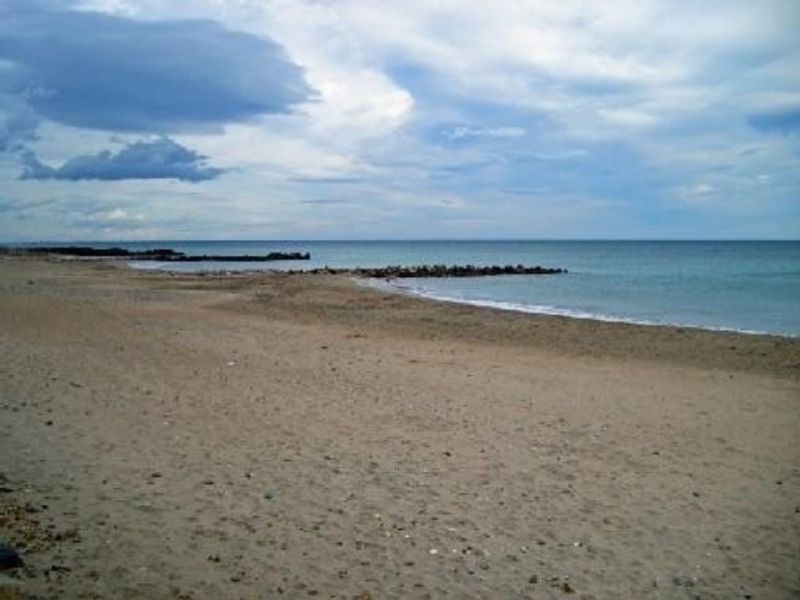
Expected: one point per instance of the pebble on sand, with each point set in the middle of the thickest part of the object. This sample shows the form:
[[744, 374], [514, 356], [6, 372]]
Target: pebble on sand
[[9, 558]]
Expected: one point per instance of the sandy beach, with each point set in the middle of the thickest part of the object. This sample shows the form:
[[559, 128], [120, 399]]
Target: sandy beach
[[263, 436]]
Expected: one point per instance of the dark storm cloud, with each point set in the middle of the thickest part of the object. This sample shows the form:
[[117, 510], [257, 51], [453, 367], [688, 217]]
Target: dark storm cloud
[[159, 159], [112, 73]]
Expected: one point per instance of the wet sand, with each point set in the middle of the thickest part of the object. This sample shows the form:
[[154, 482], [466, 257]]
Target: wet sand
[[300, 436]]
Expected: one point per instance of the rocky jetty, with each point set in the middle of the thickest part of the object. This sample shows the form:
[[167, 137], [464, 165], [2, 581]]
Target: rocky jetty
[[159, 254], [398, 272]]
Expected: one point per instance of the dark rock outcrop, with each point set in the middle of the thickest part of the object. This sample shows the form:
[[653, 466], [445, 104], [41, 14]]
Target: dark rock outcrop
[[159, 254]]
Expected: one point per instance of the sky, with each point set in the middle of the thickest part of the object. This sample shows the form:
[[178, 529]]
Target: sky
[[356, 119]]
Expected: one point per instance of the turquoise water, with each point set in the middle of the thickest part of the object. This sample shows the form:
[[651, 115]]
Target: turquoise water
[[744, 286]]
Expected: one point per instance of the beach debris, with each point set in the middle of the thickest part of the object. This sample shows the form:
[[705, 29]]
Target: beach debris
[[9, 558]]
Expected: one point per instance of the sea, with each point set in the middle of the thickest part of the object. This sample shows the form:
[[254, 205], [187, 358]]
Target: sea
[[746, 286]]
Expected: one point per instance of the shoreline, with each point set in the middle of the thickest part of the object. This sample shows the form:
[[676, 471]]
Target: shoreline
[[716, 344], [198, 437], [565, 312], [394, 287]]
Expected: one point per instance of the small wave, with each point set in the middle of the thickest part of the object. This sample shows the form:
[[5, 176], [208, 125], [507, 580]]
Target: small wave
[[544, 309]]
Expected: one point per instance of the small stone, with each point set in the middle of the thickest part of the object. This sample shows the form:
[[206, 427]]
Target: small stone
[[696, 494], [9, 558], [433, 551], [567, 588], [683, 581], [268, 495], [533, 579]]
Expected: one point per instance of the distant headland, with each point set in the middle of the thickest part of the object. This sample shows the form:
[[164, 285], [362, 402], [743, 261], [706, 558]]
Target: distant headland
[[157, 254]]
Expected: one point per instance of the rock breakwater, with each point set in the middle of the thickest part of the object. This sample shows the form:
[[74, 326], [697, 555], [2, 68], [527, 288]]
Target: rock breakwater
[[398, 272]]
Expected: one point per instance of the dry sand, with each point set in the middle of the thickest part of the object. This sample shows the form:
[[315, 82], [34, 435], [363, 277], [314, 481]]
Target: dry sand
[[297, 436]]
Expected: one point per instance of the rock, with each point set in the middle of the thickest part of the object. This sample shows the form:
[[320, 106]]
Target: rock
[[567, 588], [533, 579], [59, 569], [400, 272], [9, 558], [683, 581]]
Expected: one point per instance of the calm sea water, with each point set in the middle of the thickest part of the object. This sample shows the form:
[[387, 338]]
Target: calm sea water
[[744, 286]]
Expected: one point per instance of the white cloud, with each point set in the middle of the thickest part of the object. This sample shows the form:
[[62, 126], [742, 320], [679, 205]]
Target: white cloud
[[466, 132], [667, 86]]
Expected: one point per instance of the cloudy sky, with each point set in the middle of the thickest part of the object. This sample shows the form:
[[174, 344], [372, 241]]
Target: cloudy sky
[[326, 119]]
